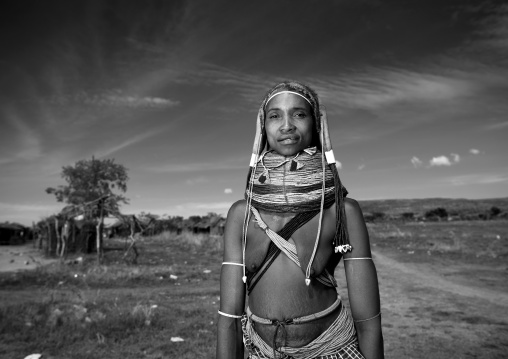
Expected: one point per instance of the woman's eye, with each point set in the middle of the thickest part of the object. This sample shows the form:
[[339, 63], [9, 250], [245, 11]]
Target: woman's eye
[[273, 115], [300, 114]]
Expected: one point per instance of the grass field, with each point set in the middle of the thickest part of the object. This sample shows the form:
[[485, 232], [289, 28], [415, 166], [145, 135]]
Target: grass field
[[444, 292]]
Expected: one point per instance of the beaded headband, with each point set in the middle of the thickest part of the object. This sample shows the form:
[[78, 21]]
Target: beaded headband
[[292, 92]]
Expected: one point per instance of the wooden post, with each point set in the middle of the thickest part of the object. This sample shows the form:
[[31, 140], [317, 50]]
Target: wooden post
[[65, 238], [49, 241], [58, 238], [73, 226], [100, 224]]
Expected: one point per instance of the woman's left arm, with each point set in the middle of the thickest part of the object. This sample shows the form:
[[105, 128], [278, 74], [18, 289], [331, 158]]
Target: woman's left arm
[[362, 283]]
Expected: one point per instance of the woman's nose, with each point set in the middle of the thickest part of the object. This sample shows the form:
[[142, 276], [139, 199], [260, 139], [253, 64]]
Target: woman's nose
[[287, 124]]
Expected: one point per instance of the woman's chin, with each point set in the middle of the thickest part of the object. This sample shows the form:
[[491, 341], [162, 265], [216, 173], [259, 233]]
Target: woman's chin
[[288, 149]]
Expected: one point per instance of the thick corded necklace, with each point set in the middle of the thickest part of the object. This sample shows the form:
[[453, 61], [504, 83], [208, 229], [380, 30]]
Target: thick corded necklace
[[294, 184]]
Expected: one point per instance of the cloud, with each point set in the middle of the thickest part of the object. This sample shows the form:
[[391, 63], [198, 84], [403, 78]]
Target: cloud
[[416, 162], [339, 164], [116, 100], [192, 208], [440, 161], [361, 167], [17, 207], [193, 167], [129, 142], [444, 160], [481, 179], [228, 191], [474, 151], [381, 87], [22, 144], [493, 29], [196, 180], [455, 157], [497, 126]]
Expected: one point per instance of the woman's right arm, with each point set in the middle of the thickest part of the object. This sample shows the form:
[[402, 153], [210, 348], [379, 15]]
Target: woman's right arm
[[232, 288]]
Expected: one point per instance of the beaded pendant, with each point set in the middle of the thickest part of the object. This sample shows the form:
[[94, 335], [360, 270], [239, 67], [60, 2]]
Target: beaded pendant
[[264, 178]]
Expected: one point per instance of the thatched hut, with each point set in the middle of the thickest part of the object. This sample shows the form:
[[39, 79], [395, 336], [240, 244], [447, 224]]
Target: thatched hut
[[13, 233]]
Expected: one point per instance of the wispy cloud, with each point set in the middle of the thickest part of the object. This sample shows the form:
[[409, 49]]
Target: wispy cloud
[[416, 162], [376, 88], [497, 126], [228, 191], [492, 29], [24, 143], [193, 208], [474, 151], [481, 179], [17, 207], [127, 143], [196, 180], [197, 166], [115, 100], [455, 158]]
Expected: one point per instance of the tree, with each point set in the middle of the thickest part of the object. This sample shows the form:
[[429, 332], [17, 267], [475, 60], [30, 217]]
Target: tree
[[94, 188], [90, 180]]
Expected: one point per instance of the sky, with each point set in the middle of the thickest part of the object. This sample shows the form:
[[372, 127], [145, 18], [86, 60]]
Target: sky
[[415, 92]]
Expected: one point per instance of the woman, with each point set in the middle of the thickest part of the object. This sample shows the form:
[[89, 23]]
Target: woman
[[284, 241]]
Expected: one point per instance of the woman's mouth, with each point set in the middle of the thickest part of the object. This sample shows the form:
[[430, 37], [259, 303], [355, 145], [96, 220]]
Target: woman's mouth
[[288, 140]]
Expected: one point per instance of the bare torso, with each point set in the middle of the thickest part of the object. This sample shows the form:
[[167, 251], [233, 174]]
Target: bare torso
[[281, 293]]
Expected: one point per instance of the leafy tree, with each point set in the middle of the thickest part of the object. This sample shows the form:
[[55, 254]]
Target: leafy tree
[[93, 180], [94, 188]]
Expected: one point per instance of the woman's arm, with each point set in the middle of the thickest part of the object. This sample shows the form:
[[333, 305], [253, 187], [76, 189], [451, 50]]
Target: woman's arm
[[232, 288], [362, 284]]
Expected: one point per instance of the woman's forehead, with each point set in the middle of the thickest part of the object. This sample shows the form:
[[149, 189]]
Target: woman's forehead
[[287, 100]]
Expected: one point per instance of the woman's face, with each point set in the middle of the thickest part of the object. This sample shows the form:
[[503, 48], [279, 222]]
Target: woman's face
[[288, 124]]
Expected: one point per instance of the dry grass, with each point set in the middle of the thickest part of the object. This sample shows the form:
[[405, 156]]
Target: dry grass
[[118, 310]]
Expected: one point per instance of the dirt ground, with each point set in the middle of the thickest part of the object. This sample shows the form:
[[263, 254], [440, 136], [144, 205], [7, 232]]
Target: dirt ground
[[448, 311], [433, 305], [21, 257]]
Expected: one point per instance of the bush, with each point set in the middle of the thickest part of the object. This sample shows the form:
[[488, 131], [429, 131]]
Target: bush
[[374, 216], [439, 212], [408, 216], [494, 211]]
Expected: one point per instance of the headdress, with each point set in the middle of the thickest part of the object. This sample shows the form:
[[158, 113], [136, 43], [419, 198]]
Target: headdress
[[319, 187]]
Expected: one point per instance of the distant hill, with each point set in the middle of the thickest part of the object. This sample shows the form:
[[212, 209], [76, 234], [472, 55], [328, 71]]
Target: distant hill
[[395, 207]]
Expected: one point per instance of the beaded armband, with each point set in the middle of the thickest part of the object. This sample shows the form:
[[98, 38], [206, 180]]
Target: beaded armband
[[229, 315], [366, 320], [359, 258], [233, 264]]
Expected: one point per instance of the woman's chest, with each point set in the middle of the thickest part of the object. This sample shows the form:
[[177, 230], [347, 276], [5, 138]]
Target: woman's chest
[[300, 243]]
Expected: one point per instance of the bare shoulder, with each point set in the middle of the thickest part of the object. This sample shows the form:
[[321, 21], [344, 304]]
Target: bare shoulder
[[353, 210], [233, 232], [237, 211], [358, 234]]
